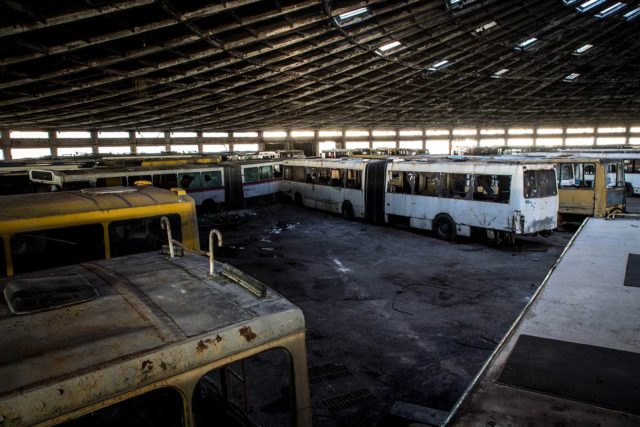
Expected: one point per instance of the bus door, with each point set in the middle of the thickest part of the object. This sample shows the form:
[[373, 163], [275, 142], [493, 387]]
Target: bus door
[[614, 186]]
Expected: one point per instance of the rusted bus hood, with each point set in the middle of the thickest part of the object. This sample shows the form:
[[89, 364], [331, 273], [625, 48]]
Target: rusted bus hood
[[168, 318]]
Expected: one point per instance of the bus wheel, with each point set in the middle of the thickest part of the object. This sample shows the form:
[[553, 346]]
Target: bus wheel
[[628, 189], [444, 227], [208, 206], [297, 199], [347, 211]]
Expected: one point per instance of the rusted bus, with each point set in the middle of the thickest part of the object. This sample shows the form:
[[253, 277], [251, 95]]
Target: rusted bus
[[572, 356], [154, 324], [588, 184], [46, 230]]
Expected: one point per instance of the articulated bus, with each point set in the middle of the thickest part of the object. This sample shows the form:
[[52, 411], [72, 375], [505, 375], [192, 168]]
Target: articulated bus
[[504, 198], [45, 230], [211, 186], [149, 340]]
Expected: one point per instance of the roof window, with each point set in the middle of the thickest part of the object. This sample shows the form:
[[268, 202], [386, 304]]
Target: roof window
[[571, 77], [582, 49], [388, 48], [440, 65], [483, 28], [611, 10], [632, 14], [500, 73], [586, 6], [527, 44], [351, 17]]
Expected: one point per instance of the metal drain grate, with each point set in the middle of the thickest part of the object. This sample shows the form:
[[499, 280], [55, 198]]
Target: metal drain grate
[[348, 400], [320, 374]]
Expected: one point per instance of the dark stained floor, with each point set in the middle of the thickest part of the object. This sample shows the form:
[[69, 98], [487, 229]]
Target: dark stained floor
[[392, 314]]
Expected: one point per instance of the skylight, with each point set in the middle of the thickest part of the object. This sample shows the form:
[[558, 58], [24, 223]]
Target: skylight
[[582, 49], [527, 44], [387, 48], [351, 17], [633, 14], [440, 65], [611, 10], [586, 6], [571, 77], [499, 73], [478, 31], [569, 2]]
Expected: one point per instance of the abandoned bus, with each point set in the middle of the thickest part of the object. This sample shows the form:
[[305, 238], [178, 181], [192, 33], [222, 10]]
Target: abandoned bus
[[46, 230], [211, 186], [504, 198], [588, 185], [573, 355], [150, 340]]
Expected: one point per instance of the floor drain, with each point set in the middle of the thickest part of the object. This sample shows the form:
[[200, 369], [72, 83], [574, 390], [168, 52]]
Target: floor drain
[[320, 374], [348, 400]]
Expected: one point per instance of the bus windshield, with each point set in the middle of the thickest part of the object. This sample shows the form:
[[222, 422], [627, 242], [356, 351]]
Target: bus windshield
[[539, 183], [615, 175]]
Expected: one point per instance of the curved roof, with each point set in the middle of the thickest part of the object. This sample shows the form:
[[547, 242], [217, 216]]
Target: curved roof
[[259, 64], [35, 205]]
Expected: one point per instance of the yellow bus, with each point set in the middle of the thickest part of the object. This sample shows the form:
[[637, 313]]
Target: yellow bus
[[148, 340], [45, 230]]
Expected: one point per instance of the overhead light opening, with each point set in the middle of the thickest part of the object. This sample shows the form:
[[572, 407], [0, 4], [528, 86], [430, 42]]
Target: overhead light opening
[[500, 73], [571, 77], [582, 49], [388, 48], [569, 2], [586, 6], [352, 17], [611, 10], [632, 14], [440, 65], [527, 44]]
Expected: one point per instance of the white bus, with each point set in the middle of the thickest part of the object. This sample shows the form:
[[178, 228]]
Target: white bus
[[211, 186], [505, 198]]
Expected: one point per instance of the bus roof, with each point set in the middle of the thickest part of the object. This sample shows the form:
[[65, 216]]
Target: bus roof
[[14, 207], [92, 173], [144, 318], [573, 355]]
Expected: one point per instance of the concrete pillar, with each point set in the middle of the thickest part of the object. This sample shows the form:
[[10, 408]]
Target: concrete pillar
[[6, 144], [94, 142], [53, 143], [167, 141], [133, 143], [200, 142]]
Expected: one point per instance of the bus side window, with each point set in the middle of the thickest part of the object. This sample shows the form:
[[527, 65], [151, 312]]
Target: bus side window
[[337, 178], [251, 174], [266, 173], [168, 180], [311, 175], [277, 171], [189, 181], [211, 179], [38, 250], [133, 236], [298, 174], [354, 179], [395, 182], [429, 184], [287, 173], [162, 407], [456, 186]]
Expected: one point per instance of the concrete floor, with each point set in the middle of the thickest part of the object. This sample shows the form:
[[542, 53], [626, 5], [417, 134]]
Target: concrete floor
[[398, 315]]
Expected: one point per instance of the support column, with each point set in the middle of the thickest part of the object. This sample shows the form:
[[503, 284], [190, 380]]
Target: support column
[[200, 142], [133, 143], [564, 136], [53, 143], [316, 144], [167, 141], [450, 141], [94, 142], [6, 144], [424, 138]]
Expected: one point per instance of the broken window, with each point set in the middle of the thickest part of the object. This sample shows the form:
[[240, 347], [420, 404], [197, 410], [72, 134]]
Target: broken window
[[38, 250], [189, 181], [615, 175], [456, 185], [162, 407], [266, 173], [492, 188], [429, 184], [337, 178], [577, 175], [251, 174], [354, 179], [133, 236], [167, 180], [539, 183], [211, 179]]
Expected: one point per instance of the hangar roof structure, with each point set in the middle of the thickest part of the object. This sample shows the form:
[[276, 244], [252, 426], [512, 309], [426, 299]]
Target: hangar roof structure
[[259, 64]]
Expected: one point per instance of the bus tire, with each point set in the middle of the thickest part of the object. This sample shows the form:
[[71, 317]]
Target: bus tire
[[444, 227], [297, 199], [347, 211], [208, 206], [628, 189]]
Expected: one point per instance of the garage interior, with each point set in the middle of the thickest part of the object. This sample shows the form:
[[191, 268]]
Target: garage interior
[[398, 322]]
